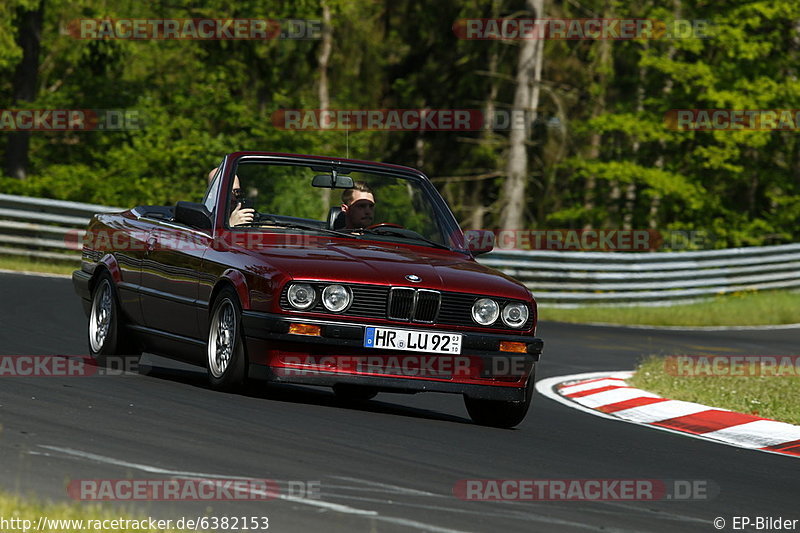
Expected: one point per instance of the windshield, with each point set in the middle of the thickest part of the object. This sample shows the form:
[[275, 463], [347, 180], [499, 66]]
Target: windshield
[[379, 206]]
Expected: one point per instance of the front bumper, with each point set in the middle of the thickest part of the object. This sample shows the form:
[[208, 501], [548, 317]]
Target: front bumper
[[338, 356]]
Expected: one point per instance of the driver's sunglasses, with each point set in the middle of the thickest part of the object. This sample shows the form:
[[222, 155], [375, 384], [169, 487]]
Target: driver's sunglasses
[[237, 193]]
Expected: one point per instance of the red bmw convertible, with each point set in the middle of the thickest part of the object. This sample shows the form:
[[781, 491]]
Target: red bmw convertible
[[314, 270]]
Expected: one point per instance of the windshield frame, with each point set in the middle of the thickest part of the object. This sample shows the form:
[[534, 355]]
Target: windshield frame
[[451, 232]]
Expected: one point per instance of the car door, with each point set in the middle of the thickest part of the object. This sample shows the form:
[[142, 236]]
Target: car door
[[170, 275], [128, 240]]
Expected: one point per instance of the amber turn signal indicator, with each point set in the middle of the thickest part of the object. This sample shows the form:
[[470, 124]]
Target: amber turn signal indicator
[[305, 329], [517, 347]]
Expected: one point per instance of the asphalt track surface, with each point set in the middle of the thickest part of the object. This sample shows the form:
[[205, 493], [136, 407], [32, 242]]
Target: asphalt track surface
[[383, 466]]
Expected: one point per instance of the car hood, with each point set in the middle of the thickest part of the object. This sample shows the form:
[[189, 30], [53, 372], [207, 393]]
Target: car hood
[[388, 264]]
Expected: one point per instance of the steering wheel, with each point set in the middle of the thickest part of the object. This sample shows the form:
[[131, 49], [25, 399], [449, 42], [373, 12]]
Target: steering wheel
[[258, 219], [263, 217], [385, 225]]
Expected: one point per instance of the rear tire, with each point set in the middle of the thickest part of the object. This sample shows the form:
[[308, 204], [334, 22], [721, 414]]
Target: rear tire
[[108, 336], [227, 360], [499, 413], [354, 392]]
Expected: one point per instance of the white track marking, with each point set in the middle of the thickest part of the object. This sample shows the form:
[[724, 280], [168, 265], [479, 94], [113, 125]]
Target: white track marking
[[609, 396], [580, 387], [547, 387], [389, 488], [345, 509], [136, 466], [758, 434], [647, 414], [181, 473], [515, 513]]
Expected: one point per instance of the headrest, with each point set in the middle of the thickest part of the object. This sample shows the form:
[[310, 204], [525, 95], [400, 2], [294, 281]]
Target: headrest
[[336, 217]]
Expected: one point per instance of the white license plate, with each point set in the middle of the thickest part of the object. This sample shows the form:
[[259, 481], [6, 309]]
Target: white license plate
[[412, 340]]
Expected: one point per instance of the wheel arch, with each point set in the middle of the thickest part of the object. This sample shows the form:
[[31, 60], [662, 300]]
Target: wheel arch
[[235, 280], [107, 264]]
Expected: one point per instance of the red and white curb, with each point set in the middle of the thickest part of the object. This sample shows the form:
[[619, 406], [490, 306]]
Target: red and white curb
[[606, 394]]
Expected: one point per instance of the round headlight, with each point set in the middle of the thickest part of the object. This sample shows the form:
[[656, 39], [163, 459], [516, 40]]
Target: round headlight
[[301, 295], [515, 315], [336, 298], [485, 311]]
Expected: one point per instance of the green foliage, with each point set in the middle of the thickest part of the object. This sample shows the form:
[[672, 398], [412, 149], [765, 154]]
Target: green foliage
[[601, 152]]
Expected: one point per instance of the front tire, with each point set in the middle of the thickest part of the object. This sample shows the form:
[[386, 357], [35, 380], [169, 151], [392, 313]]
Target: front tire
[[107, 334], [227, 361], [498, 413]]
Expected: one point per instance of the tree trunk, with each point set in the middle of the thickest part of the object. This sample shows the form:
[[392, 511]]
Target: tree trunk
[[655, 202], [24, 87], [528, 77], [323, 60], [630, 190], [602, 67], [477, 197], [324, 56]]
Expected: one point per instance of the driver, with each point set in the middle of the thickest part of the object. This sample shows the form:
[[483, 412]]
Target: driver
[[238, 216], [358, 206]]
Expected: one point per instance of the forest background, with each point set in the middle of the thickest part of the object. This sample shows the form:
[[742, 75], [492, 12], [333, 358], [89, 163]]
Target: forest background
[[595, 150]]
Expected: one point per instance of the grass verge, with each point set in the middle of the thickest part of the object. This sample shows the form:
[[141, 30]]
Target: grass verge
[[776, 397], [19, 509], [35, 265], [737, 309]]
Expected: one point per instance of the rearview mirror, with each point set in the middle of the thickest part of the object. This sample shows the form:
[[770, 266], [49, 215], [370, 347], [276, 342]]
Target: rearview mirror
[[332, 181]]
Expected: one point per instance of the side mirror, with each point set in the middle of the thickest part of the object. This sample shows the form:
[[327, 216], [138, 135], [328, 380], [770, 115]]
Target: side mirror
[[479, 241], [332, 181], [193, 215]]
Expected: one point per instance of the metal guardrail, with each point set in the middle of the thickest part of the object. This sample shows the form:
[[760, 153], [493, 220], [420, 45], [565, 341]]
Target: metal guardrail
[[52, 230], [43, 228], [570, 279]]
